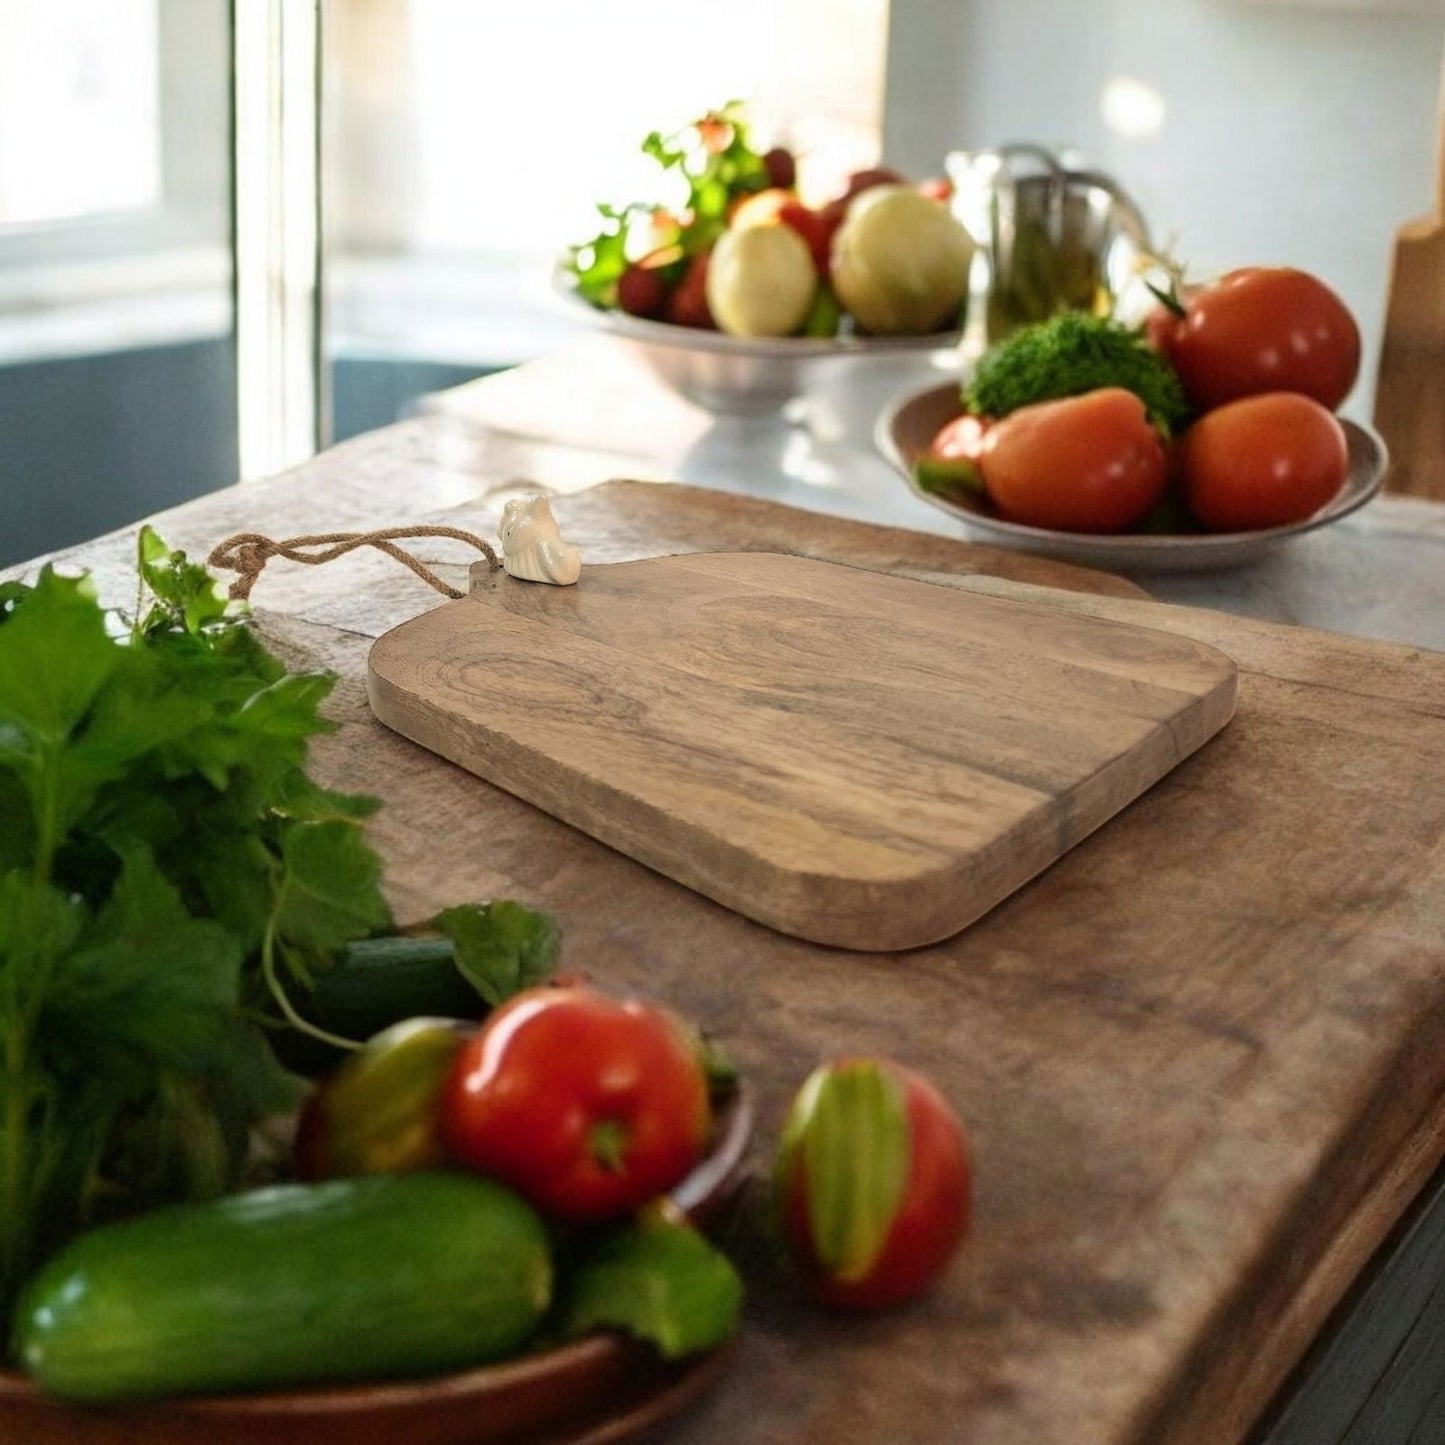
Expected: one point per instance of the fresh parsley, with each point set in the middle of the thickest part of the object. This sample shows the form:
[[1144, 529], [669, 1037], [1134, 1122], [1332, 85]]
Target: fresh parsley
[[172, 884]]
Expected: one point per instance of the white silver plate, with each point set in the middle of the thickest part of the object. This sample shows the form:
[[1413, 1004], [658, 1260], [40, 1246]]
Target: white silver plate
[[738, 374], [909, 424]]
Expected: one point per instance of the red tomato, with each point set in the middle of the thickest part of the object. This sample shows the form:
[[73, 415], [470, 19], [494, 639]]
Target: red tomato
[[860, 181], [1089, 463], [1262, 461], [964, 436], [951, 462], [641, 291], [1159, 328], [873, 1183], [1265, 328], [588, 1106]]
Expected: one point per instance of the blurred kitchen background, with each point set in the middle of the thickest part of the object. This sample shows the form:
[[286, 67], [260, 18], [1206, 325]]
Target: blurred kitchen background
[[458, 145]]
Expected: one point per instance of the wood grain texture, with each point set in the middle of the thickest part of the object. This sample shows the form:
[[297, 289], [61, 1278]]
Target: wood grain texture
[[1199, 1056], [1410, 383], [863, 761]]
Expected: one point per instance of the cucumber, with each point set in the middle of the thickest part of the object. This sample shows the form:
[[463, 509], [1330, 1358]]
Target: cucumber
[[355, 1279], [376, 982], [380, 981]]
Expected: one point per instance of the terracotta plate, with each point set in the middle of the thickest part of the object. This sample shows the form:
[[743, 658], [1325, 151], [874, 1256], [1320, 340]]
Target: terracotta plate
[[905, 429], [593, 1392]]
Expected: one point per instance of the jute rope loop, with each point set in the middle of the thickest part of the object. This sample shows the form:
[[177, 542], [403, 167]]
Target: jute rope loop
[[247, 553]]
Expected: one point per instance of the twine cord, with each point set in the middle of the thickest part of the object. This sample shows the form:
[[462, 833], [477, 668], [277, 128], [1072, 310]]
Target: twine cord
[[247, 553]]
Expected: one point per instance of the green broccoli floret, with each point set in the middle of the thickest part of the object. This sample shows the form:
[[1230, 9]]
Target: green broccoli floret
[[1068, 355]]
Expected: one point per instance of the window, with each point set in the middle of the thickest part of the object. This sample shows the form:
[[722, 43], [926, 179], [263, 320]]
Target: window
[[117, 378], [114, 148], [468, 144], [85, 75]]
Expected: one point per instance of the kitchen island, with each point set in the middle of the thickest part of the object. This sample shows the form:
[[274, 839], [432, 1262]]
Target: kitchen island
[[1200, 1056]]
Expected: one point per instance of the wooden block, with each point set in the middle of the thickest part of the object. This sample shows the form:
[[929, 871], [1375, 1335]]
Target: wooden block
[[1410, 384], [858, 760]]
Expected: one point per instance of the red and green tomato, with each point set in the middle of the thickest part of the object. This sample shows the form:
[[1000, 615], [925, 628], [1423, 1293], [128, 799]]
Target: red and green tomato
[[872, 1185], [377, 1113]]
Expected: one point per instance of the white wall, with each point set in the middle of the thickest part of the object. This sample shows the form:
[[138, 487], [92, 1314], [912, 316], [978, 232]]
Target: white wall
[[1291, 135]]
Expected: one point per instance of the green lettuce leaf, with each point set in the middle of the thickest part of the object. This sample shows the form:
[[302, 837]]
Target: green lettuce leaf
[[658, 1281], [502, 947]]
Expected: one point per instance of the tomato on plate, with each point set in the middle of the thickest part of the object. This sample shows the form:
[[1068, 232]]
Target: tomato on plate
[[1262, 461], [1090, 463], [964, 436], [376, 1114], [1262, 329], [872, 1186], [588, 1106]]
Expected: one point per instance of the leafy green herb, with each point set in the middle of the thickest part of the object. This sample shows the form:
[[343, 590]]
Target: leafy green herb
[[659, 1281], [501, 947], [713, 163], [1069, 355], [166, 869], [170, 879]]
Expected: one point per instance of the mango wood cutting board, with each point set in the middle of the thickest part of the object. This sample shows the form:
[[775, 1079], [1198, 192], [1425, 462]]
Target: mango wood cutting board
[[864, 761]]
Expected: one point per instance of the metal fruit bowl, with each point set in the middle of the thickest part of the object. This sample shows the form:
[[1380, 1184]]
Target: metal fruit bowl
[[740, 375]]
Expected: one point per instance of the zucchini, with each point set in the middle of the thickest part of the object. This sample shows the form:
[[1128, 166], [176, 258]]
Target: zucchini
[[374, 983], [355, 1279], [379, 981]]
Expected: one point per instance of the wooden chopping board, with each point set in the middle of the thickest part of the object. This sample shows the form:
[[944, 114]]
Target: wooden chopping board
[[865, 761]]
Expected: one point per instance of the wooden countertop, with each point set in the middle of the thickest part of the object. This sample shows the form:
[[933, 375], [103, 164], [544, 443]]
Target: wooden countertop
[[592, 408], [1200, 1056]]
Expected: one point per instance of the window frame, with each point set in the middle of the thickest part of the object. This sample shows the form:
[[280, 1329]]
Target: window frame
[[194, 211]]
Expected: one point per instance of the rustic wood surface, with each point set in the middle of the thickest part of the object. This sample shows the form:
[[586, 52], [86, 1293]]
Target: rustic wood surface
[[864, 761], [1410, 383], [1200, 1056]]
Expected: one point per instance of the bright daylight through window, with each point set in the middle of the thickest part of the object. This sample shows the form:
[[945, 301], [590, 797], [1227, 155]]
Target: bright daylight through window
[[470, 143], [83, 74]]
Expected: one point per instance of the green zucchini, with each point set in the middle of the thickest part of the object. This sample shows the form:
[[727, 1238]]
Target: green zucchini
[[379, 981], [355, 1279], [374, 983]]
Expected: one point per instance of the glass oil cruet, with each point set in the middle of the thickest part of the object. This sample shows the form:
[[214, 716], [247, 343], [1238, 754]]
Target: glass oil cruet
[[1049, 238]]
